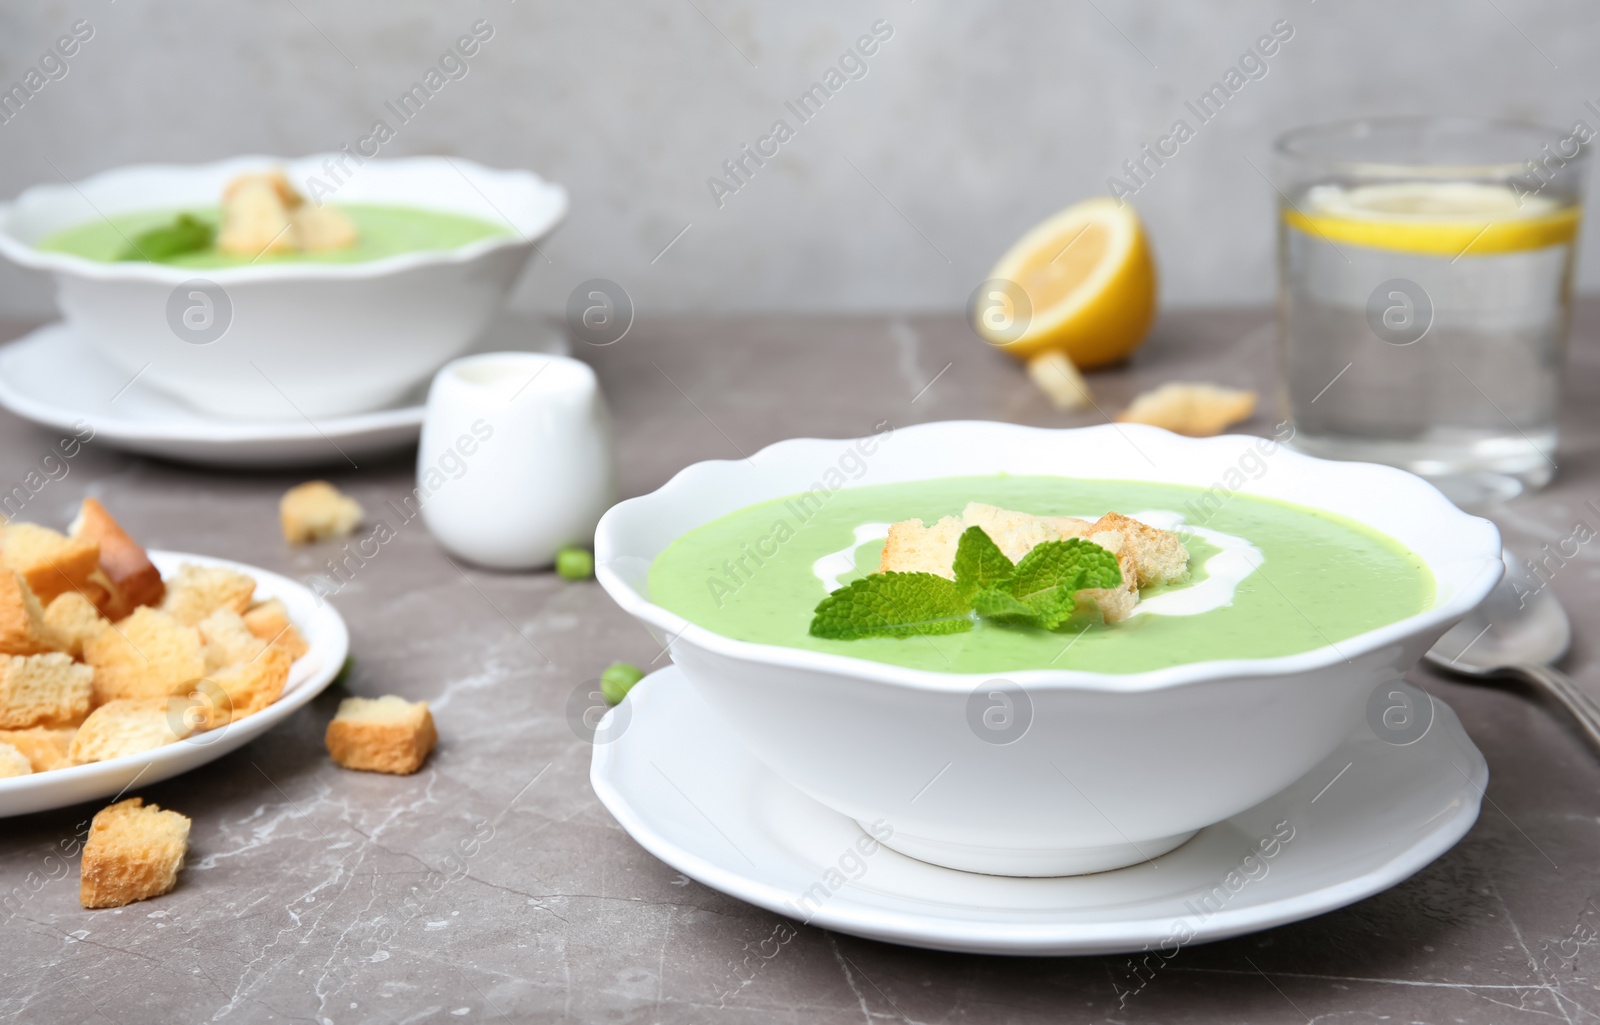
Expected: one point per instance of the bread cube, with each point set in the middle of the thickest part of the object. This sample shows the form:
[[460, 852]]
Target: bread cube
[[52, 563], [134, 852], [130, 579], [1196, 409], [128, 726], [75, 621], [22, 627], [228, 640], [194, 592], [269, 620], [244, 688], [387, 734], [13, 762], [148, 655], [317, 510], [43, 690], [318, 229], [45, 747], [255, 216]]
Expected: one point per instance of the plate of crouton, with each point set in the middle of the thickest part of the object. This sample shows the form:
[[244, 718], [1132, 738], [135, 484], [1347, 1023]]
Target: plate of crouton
[[120, 666]]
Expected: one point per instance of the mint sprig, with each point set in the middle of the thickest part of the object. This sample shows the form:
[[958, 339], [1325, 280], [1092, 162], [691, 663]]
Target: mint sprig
[[1040, 590], [186, 234], [1049, 577]]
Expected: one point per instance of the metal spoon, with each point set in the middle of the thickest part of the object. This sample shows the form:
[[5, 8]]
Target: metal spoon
[[1517, 632]]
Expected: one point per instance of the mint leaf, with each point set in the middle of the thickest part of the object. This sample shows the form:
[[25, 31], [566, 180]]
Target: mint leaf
[[1003, 606], [980, 564], [186, 234], [1048, 577], [892, 605]]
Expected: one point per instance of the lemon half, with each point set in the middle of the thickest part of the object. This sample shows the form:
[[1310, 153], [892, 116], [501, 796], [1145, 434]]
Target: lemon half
[[1090, 285], [1443, 218]]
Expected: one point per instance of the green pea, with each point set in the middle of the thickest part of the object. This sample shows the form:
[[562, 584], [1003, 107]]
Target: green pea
[[617, 680], [574, 563]]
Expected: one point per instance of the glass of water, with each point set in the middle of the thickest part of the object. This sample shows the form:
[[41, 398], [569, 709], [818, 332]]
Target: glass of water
[[1425, 283]]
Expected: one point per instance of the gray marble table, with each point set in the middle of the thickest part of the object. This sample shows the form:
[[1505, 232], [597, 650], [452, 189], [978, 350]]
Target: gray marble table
[[296, 867]]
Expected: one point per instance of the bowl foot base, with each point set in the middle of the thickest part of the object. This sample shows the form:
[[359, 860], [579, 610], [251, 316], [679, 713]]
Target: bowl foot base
[[1031, 862]]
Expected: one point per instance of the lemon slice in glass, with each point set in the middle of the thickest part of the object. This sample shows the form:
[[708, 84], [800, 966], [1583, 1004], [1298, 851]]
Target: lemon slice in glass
[[1446, 218]]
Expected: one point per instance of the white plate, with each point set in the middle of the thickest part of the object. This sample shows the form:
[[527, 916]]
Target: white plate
[[55, 378], [329, 642], [685, 788]]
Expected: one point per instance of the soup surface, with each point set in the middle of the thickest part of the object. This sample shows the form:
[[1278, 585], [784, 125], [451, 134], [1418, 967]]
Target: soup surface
[[1266, 578], [381, 231]]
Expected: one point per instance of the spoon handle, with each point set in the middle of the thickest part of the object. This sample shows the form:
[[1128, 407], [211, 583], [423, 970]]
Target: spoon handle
[[1562, 687]]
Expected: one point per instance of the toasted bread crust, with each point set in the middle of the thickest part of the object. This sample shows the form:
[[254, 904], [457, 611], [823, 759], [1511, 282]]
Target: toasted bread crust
[[52, 563], [127, 726], [385, 734], [269, 620], [244, 688], [133, 853], [197, 591], [13, 762], [43, 690], [914, 548], [23, 630], [1160, 555], [148, 655], [315, 511], [1198, 410], [131, 578], [45, 747], [75, 621]]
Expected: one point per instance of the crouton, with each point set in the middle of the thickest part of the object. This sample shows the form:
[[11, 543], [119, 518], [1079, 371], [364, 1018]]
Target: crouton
[[134, 851], [1069, 526], [914, 548], [148, 655], [13, 762], [194, 592], [130, 578], [244, 688], [45, 747], [1060, 380], [75, 621], [1015, 533], [1198, 410], [274, 181], [23, 630], [128, 726], [227, 639], [269, 620], [386, 734], [318, 229], [1115, 603], [1160, 554], [43, 690], [255, 216], [315, 511], [52, 563]]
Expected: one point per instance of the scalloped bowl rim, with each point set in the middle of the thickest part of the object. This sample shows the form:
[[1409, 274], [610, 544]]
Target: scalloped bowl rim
[[551, 198], [1474, 587]]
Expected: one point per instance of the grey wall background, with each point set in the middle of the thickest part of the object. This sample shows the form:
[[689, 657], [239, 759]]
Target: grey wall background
[[975, 120]]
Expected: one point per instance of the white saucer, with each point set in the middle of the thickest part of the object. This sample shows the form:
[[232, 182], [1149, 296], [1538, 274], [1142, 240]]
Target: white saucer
[[54, 377], [680, 782], [328, 642]]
